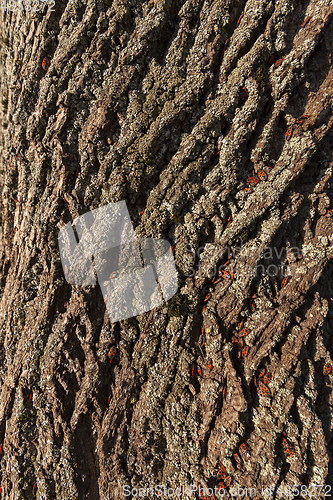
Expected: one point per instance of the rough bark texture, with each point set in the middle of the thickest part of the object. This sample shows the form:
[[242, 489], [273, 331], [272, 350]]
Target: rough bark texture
[[170, 106]]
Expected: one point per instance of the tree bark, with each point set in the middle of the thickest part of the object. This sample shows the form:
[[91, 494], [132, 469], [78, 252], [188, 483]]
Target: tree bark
[[212, 120]]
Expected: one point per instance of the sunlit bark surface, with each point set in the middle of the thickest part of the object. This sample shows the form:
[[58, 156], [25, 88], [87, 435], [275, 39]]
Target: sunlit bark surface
[[212, 120]]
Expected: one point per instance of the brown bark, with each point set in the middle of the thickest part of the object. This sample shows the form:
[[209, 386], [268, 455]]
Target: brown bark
[[170, 106]]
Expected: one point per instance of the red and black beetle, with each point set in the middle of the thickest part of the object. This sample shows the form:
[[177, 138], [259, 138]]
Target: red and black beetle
[[45, 63], [112, 353]]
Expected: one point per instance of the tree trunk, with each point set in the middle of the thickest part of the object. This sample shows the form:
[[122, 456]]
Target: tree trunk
[[212, 120]]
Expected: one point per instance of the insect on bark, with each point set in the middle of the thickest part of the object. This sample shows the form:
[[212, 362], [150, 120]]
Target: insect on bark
[[45, 63], [305, 22], [327, 369], [288, 133]]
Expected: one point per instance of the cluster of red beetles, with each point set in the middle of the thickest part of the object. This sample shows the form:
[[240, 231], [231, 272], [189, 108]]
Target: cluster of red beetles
[[262, 378], [223, 477], [255, 178], [261, 175], [206, 497], [238, 339], [299, 120], [289, 450], [261, 381]]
